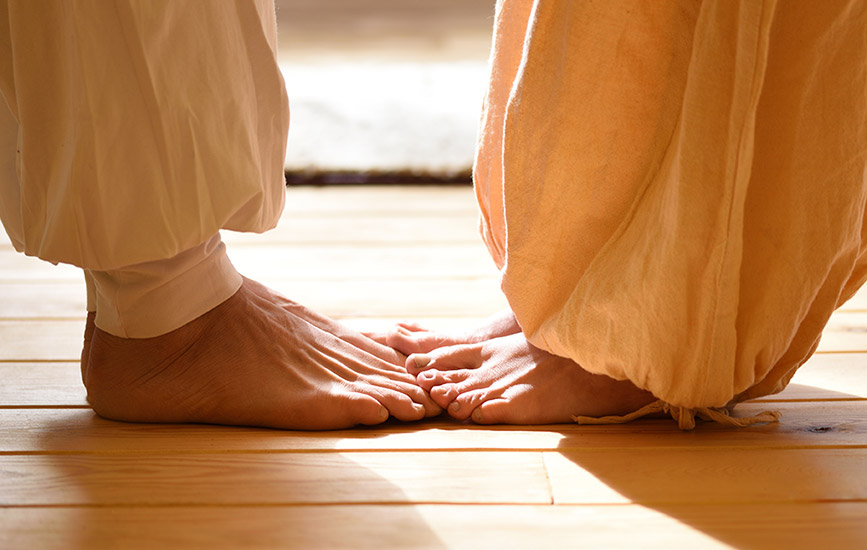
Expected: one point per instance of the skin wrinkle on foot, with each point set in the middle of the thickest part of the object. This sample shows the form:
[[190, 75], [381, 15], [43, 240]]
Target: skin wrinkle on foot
[[283, 366], [494, 375], [425, 350]]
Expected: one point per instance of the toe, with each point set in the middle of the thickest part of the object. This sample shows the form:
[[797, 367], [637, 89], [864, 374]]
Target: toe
[[399, 405], [467, 356], [366, 410], [345, 411], [466, 403], [409, 338], [443, 395], [407, 341], [410, 388], [428, 379], [421, 397], [418, 362], [412, 327], [494, 411], [432, 410]]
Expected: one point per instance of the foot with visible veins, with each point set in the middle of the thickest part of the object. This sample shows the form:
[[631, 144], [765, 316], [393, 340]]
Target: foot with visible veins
[[257, 359], [507, 380]]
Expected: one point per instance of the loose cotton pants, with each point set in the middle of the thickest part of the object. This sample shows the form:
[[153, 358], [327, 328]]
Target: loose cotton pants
[[132, 132], [675, 191]]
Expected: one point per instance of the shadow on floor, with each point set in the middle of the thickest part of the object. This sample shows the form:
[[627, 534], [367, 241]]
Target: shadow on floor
[[793, 484], [172, 492]]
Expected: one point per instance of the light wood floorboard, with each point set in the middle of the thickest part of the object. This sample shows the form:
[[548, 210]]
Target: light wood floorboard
[[825, 377], [795, 525], [806, 425], [371, 256]]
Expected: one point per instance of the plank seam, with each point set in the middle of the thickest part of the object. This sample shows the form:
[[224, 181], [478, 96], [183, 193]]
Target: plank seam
[[221, 452], [46, 407], [807, 400], [644, 504]]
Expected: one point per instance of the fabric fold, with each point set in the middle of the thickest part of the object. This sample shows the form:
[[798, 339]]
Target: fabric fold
[[675, 191], [132, 144]]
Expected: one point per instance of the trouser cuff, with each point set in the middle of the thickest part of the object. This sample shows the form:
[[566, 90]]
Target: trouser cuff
[[153, 298]]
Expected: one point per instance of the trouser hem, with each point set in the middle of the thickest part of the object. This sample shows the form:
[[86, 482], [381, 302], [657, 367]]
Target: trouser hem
[[153, 298]]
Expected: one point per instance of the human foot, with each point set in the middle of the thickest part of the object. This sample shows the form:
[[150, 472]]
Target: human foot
[[412, 338], [507, 380], [257, 359]]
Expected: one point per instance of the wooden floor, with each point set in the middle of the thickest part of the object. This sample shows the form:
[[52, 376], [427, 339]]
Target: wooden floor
[[69, 479]]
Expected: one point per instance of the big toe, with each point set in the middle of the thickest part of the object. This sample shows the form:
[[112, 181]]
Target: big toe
[[495, 411], [466, 356], [429, 379], [364, 409], [443, 395], [408, 341]]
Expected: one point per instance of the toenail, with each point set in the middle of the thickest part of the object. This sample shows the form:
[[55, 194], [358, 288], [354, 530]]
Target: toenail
[[455, 406], [477, 415], [421, 360]]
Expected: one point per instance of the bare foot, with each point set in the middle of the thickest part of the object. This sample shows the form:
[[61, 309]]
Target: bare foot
[[411, 338], [507, 380], [257, 359]]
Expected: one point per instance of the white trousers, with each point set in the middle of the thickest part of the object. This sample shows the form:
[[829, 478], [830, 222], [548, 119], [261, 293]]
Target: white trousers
[[132, 132]]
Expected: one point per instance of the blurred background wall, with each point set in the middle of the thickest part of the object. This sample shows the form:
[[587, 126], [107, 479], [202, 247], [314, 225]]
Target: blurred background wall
[[384, 86]]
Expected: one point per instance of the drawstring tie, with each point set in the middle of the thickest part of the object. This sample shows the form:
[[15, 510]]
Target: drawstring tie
[[685, 417]]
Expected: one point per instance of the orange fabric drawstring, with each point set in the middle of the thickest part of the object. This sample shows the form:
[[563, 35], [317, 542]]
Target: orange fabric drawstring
[[685, 417]]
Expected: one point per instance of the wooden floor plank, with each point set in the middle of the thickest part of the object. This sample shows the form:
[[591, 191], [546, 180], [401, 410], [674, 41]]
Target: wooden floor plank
[[272, 478], [375, 262], [825, 377], [371, 203], [419, 230], [18, 267], [813, 525], [471, 297], [845, 331], [376, 200], [707, 476], [60, 339], [38, 300], [370, 257], [41, 340], [41, 385], [309, 264], [828, 376], [804, 424], [410, 299], [857, 302]]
